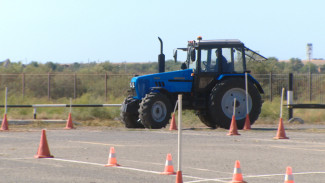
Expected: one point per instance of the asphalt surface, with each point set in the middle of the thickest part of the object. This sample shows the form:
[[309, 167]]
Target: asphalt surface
[[207, 155]]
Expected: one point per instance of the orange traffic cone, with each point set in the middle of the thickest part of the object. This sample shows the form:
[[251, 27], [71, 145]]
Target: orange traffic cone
[[69, 124], [288, 177], [237, 177], [43, 149], [112, 158], [247, 125], [179, 177], [173, 123], [233, 127], [169, 169], [281, 134], [4, 125]]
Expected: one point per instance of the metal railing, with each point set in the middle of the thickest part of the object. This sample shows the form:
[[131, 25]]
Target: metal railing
[[306, 87], [35, 106], [58, 85]]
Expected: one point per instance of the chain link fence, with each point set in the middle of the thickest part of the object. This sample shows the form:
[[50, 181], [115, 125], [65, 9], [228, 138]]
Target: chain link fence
[[54, 86], [306, 87]]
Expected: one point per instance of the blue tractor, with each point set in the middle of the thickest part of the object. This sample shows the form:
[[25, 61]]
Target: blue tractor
[[209, 80]]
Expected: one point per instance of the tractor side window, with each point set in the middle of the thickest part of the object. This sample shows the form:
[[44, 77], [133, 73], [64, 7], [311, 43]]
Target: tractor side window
[[214, 59], [238, 59], [208, 60], [204, 61], [227, 60], [192, 64]]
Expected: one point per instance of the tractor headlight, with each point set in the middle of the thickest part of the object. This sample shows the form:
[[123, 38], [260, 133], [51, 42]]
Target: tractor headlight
[[132, 84]]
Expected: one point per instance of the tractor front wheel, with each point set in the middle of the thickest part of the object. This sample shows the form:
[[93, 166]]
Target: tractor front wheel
[[155, 110]]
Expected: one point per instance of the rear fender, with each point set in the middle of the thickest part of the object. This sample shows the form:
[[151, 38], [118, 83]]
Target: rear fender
[[250, 78]]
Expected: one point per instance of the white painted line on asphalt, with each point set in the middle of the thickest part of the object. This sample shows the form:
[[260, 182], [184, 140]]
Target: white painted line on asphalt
[[139, 170], [207, 180], [74, 161], [224, 180], [102, 165], [252, 176], [272, 175], [150, 163], [97, 143], [128, 168], [303, 173], [207, 170], [197, 169]]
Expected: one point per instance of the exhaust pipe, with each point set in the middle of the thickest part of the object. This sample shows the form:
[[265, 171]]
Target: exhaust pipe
[[161, 58]]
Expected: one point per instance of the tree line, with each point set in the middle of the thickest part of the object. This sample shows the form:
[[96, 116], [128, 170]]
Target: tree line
[[294, 65]]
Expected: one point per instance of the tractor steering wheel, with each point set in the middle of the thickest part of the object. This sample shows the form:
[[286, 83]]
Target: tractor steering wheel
[[205, 63]]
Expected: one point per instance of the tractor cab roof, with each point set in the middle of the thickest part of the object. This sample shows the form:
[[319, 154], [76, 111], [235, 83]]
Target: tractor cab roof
[[218, 43], [226, 43]]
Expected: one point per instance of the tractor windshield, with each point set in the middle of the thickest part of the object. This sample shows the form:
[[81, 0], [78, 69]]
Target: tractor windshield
[[225, 60]]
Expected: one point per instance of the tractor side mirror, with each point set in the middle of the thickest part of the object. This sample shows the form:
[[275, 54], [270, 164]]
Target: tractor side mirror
[[183, 66], [192, 54], [175, 55]]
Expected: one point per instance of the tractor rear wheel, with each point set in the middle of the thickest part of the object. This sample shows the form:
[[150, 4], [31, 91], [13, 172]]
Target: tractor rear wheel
[[130, 120], [206, 119], [221, 102], [155, 110]]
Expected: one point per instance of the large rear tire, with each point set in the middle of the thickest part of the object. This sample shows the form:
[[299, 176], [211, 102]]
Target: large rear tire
[[222, 101], [155, 110], [130, 120], [206, 119]]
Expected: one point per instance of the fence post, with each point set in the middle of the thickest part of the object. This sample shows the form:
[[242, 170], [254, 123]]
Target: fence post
[[23, 84], [310, 87], [34, 114], [49, 86], [75, 86], [106, 87], [290, 96], [271, 81], [6, 100], [179, 154]]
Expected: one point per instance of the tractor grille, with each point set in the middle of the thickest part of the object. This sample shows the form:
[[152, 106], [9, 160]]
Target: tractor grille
[[160, 83]]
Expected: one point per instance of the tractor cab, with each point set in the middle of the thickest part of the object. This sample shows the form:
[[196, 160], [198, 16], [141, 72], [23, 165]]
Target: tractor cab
[[213, 59], [218, 56]]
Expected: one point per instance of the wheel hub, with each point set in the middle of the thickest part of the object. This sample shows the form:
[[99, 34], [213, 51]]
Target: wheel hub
[[227, 103], [159, 111]]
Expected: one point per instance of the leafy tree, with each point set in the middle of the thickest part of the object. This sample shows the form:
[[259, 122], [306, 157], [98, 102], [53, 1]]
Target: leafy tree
[[305, 69], [52, 66], [262, 67], [34, 64], [294, 65]]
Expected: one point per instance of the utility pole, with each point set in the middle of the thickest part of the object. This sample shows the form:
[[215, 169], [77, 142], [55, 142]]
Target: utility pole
[[309, 51]]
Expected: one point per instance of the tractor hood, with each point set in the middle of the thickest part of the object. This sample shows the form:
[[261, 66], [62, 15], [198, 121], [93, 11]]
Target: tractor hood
[[175, 81]]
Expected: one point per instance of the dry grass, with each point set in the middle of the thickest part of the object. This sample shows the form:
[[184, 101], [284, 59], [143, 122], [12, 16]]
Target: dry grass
[[109, 117]]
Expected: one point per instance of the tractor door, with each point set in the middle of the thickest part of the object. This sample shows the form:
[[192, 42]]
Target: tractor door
[[210, 63], [206, 71]]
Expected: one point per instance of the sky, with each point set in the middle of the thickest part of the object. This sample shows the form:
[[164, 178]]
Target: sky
[[68, 31]]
